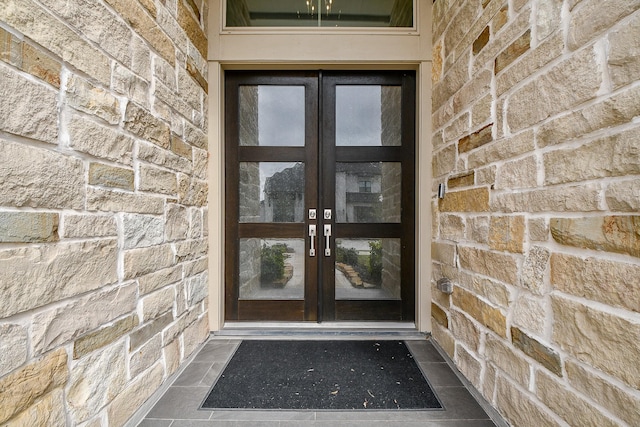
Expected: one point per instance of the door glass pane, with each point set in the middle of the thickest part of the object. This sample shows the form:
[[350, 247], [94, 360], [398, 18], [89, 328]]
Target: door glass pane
[[272, 116], [319, 13], [367, 269], [271, 192], [272, 268], [368, 115], [368, 192]]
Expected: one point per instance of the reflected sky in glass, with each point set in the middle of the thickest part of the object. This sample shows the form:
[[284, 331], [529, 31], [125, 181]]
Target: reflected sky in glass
[[281, 116], [358, 115]]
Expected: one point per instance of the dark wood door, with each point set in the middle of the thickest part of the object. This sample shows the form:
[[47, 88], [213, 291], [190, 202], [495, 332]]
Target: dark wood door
[[320, 196]]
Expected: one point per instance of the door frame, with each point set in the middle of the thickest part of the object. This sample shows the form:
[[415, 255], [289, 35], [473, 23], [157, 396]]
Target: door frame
[[291, 49]]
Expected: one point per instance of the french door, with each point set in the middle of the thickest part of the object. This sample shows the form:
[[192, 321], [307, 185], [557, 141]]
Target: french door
[[319, 196]]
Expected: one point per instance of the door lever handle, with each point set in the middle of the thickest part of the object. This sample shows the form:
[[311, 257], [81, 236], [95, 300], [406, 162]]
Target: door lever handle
[[327, 235], [312, 240]]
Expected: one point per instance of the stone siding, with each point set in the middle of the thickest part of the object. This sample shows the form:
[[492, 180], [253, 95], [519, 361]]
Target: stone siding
[[537, 139], [103, 248]]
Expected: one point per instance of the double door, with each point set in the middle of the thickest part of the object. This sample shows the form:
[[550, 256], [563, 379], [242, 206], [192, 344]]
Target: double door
[[319, 215]]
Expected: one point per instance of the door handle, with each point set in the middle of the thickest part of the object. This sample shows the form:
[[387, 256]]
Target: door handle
[[327, 236], [312, 239]]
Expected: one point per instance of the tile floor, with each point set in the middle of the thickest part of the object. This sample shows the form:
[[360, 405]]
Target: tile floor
[[178, 407]]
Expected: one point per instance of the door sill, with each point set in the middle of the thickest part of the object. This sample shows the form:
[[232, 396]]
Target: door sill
[[324, 330]]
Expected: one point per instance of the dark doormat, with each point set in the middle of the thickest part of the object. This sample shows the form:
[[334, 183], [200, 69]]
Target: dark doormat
[[333, 375]]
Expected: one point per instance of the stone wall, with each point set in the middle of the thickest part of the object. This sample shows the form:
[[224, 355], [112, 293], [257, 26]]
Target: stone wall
[[537, 138], [103, 154]]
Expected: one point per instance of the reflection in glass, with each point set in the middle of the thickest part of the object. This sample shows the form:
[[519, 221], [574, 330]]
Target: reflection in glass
[[272, 268], [272, 116], [367, 269], [271, 192], [368, 115], [316, 13], [368, 192]]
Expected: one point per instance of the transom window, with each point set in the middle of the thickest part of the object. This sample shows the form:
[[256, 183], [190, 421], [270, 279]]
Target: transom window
[[319, 13]]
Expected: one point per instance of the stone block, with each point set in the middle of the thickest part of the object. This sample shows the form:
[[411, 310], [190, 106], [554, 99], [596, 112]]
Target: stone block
[[10, 48], [478, 229], [177, 328], [444, 339], [457, 128], [444, 252], [171, 354], [87, 136], [197, 289], [63, 324], [624, 53], [146, 356], [548, 17], [157, 303], [42, 27], [95, 381], [439, 315], [453, 79], [481, 41], [530, 63], [520, 408], [610, 282], [581, 198], [476, 139], [141, 59], [192, 192], [464, 17], [166, 73], [200, 161], [24, 387], [574, 409], [191, 249], [177, 222], [530, 313], [616, 110], [603, 340], [39, 178], [468, 364], [40, 64], [501, 355], [104, 336], [465, 331], [538, 230], [84, 96], [130, 85], [195, 267], [533, 270], [521, 173], [160, 279], [500, 266], [190, 92], [27, 108], [193, 71], [156, 180], [28, 227], [143, 24], [473, 200], [512, 52], [543, 354], [502, 149], [620, 234], [614, 155], [138, 262], [180, 147], [622, 196], [506, 233], [591, 19], [569, 83], [48, 411], [157, 156], [169, 100], [110, 176], [497, 293], [473, 90], [444, 161], [103, 200], [624, 403], [142, 123], [132, 397], [192, 28], [484, 313], [13, 347], [195, 334], [31, 277], [84, 226], [141, 231], [195, 229], [147, 331]]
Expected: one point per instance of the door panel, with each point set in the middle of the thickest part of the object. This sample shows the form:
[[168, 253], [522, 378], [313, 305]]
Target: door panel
[[332, 152]]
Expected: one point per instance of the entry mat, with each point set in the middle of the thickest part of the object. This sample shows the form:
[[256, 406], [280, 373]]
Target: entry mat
[[317, 375]]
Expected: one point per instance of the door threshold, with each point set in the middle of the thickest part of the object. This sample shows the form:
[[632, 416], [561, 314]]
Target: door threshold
[[324, 330]]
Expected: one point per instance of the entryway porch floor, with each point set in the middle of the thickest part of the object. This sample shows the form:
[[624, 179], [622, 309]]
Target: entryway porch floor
[[178, 406]]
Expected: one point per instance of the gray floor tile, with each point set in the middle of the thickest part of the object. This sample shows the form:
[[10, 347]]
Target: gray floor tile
[[460, 404], [181, 403], [213, 373], [155, 423], [439, 374], [193, 375], [424, 351], [263, 415], [223, 423], [217, 351]]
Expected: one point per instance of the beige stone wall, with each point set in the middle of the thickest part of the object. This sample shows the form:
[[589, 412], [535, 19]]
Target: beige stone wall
[[537, 138], [103, 154]]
